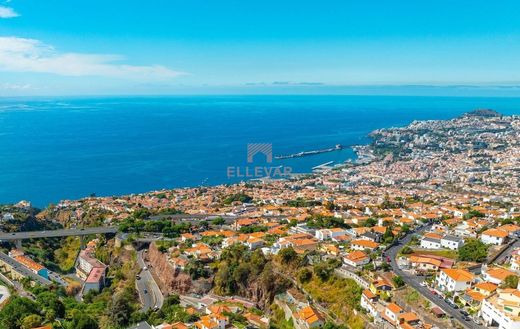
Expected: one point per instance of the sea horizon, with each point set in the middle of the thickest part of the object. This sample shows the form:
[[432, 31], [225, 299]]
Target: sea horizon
[[57, 148]]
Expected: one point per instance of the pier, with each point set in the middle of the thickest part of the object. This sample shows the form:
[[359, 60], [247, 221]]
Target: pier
[[307, 153]]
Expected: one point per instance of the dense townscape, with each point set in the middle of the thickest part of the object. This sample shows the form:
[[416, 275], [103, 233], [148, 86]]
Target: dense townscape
[[421, 231]]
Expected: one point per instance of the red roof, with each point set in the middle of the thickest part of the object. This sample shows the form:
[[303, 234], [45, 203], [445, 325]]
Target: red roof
[[95, 275]]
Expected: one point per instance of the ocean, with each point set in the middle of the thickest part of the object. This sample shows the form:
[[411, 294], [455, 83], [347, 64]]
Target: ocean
[[67, 148]]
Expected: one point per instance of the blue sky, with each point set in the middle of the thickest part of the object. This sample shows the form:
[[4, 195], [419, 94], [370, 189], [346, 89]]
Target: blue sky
[[57, 47]]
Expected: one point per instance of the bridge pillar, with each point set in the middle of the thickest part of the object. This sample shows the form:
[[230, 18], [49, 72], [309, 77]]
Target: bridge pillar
[[18, 244]]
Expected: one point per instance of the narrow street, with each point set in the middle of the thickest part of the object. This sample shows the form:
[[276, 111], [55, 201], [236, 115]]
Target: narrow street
[[414, 281]]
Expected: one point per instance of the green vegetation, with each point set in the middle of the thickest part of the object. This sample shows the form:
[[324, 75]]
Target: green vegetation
[[398, 281], [370, 222], [65, 256], [278, 318], [302, 203], [241, 197], [166, 226], [388, 236], [511, 281], [473, 250], [239, 268], [340, 296], [319, 221], [287, 255], [253, 229], [406, 250], [452, 254], [304, 275], [113, 308], [330, 325], [57, 254], [218, 221], [196, 270], [473, 213], [171, 312], [412, 297], [212, 240]]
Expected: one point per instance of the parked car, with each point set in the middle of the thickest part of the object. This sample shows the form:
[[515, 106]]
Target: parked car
[[452, 304]]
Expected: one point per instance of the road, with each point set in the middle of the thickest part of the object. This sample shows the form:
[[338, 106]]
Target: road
[[507, 252], [56, 233], [57, 278], [414, 282], [149, 292], [26, 272]]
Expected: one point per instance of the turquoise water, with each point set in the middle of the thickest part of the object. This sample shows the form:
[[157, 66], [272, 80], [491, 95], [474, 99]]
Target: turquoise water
[[63, 148]]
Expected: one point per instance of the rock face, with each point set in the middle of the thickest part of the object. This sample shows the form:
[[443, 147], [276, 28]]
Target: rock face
[[170, 279]]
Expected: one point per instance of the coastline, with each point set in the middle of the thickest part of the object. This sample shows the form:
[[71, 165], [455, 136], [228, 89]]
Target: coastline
[[179, 150]]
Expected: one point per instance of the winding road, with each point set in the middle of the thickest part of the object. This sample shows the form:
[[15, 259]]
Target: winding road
[[414, 281], [149, 293]]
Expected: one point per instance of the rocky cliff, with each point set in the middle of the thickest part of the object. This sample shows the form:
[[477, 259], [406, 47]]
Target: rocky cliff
[[170, 279]]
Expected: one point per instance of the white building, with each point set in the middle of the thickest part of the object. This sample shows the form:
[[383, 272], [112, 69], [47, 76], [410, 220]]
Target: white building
[[494, 236], [368, 302], [449, 279], [392, 312], [329, 233], [430, 243], [502, 309], [495, 275], [356, 258], [451, 242]]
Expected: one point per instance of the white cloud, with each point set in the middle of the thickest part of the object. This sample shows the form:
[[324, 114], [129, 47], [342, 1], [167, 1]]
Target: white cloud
[[15, 86], [30, 55], [6, 12]]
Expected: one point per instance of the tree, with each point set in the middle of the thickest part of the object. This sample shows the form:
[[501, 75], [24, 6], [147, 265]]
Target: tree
[[370, 222], [398, 281], [331, 325], [218, 221], [330, 205], [119, 309], [304, 275], [15, 311], [83, 321], [31, 321], [50, 302], [196, 269], [369, 267], [172, 300], [473, 250], [473, 213], [511, 281], [406, 250], [323, 271], [287, 255]]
